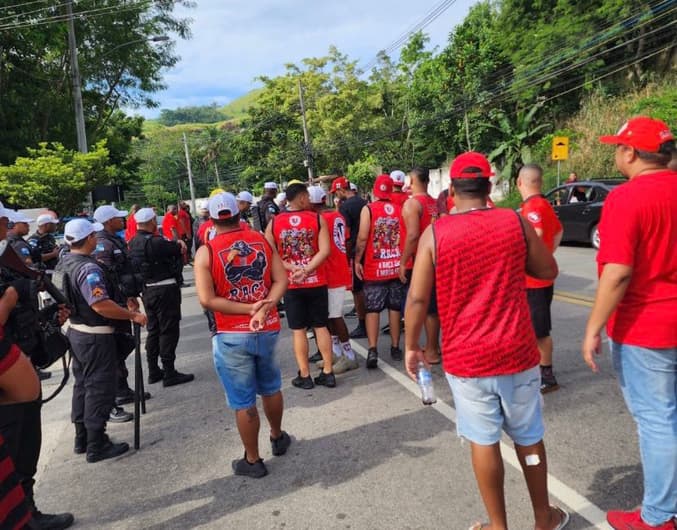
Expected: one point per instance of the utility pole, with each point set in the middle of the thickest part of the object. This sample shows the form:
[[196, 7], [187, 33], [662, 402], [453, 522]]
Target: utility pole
[[218, 178], [307, 149], [75, 73], [190, 175]]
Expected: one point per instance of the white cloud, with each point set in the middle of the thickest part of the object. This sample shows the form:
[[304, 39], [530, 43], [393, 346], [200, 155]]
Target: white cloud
[[235, 41]]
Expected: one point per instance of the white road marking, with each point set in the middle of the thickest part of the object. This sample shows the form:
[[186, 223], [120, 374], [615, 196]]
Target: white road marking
[[574, 500]]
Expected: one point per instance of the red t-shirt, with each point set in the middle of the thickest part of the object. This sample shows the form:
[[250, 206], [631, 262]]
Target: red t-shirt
[[336, 267], [240, 263], [184, 223], [398, 197], [639, 229], [130, 230], [296, 234], [168, 222], [540, 213]]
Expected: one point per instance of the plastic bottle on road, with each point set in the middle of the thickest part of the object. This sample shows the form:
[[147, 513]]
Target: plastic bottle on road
[[425, 383]]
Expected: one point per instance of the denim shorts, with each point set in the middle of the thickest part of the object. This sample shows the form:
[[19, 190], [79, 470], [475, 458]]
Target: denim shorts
[[246, 365], [487, 405]]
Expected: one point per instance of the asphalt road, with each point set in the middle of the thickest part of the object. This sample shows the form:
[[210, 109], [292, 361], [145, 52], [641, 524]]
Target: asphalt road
[[365, 455]]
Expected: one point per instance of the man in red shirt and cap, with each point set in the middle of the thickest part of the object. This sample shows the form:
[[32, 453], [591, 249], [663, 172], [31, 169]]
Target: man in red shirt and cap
[[637, 300]]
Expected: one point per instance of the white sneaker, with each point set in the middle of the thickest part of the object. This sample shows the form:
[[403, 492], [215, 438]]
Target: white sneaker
[[345, 365], [334, 360]]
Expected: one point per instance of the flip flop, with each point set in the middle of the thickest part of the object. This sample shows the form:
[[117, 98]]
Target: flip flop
[[564, 518], [439, 361]]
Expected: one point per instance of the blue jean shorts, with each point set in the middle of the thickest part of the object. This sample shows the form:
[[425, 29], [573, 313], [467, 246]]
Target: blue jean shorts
[[487, 405], [246, 365]]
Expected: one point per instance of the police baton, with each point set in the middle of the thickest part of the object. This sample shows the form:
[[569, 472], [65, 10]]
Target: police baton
[[139, 392]]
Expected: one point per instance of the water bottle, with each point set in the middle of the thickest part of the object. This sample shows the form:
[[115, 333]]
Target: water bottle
[[425, 383]]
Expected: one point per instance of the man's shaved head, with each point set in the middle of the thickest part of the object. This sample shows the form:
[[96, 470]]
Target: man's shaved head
[[531, 175]]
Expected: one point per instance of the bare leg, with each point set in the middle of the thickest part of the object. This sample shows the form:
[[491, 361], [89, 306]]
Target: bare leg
[[394, 322], [545, 348], [248, 426], [372, 321], [273, 406], [536, 477], [300, 342], [489, 473], [432, 335], [360, 308], [337, 326], [323, 339]]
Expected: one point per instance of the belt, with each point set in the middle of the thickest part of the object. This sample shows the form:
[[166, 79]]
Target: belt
[[96, 330], [169, 281]]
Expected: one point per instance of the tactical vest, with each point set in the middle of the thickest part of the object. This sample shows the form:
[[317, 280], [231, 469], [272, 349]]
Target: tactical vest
[[121, 268], [65, 279], [150, 269]]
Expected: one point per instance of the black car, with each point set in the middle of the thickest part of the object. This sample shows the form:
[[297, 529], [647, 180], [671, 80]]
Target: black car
[[579, 206]]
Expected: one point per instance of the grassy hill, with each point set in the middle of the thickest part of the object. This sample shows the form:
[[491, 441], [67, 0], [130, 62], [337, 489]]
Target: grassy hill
[[238, 107]]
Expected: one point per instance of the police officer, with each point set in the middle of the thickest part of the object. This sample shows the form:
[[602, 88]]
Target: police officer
[[160, 263], [111, 253], [18, 228], [44, 241], [91, 334], [20, 410]]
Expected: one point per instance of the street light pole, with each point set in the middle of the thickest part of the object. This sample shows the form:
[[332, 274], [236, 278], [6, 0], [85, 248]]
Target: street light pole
[[77, 89]]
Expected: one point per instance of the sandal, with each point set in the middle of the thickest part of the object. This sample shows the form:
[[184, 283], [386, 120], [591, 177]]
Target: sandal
[[438, 360], [564, 517]]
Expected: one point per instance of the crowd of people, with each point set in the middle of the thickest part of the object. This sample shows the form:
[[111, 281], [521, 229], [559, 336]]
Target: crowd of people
[[476, 278]]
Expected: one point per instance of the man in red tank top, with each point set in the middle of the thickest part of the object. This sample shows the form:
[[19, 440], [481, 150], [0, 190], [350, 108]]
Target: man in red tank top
[[418, 213], [477, 258], [380, 242], [302, 239], [637, 300], [540, 213], [398, 196], [240, 278], [339, 278]]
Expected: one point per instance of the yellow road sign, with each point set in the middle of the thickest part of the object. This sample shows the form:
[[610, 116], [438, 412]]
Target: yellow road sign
[[560, 148]]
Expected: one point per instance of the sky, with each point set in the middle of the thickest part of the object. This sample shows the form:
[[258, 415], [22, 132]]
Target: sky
[[234, 41]]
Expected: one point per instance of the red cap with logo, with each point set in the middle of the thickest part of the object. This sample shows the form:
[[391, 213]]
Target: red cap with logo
[[642, 133], [383, 187], [470, 165], [340, 183]]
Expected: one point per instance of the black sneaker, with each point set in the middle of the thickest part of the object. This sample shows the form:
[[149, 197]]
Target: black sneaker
[[243, 468], [128, 397], [280, 444], [155, 376], [549, 384], [372, 358], [120, 415], [303, 382], [176, 378], [328, 380], [51, 521], [317, 356], [358, 333], [395, 353]]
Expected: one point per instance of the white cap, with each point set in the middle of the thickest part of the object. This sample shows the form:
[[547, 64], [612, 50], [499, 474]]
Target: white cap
[[222, 203], [18, 217], [47, 218], [203, 205], [317, 194], [78, 229], [144, 215], [353, 186], [398, 177], [270, 186], [106, 213], [245, 196], [4, 212], [282, 196]]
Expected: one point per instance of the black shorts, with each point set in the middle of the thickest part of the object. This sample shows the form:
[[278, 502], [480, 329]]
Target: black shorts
[[307, 307], [381, 295], [540, 300], [358, 285]]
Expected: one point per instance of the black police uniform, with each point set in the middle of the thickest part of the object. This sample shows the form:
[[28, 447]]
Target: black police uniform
[[44, 243], [160, 264], [23, 249], [94, 350], [111, 253]]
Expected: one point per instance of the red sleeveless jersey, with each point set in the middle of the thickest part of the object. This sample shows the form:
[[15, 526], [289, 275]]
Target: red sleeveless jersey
[[480, 259], [429, 209], [337, 269], [240, 263], [385, 242], [296, 234], [399, 197]]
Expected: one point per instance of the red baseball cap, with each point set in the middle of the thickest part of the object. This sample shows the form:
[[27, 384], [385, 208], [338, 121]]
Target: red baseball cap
[[340, 183], [383, 187], [470, 165], [641, 132]]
